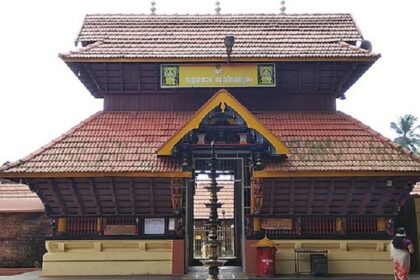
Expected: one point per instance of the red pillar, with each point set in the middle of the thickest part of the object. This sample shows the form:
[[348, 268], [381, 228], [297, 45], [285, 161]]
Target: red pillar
[[251, 257], [178, 257]]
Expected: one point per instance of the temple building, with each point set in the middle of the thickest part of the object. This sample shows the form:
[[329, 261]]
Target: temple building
[[124, 188]]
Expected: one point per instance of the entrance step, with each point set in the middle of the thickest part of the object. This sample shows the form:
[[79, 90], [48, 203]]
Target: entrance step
[[226, 272]]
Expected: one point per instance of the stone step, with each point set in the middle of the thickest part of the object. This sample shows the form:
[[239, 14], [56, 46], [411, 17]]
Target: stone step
[[226, 272]]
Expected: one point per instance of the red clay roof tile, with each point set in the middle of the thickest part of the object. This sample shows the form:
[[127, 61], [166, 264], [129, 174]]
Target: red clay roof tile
[[14, 190], [333, 142], [201, 36], [18, 198], [128, 141]]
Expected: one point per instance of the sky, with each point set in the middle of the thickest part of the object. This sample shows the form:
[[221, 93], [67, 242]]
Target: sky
[[40, 98]]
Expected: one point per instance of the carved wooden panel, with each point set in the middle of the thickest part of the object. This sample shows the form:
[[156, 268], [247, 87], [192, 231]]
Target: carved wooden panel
[[300, 86], [335, 196], [105, 196]]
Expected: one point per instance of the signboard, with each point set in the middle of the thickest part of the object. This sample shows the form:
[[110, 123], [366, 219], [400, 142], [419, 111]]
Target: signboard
[[217, 75], [120, 230], [271, 223], [154, 226]]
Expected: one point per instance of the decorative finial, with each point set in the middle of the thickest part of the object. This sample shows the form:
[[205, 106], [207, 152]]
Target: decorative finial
[[218, 9], [283, 7], [153, 8]]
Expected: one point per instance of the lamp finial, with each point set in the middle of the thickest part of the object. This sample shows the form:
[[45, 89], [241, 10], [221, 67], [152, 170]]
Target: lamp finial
[[218, 9], [282, 7], [153, 8]]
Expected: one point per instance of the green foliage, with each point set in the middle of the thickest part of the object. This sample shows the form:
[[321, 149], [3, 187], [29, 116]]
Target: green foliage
[[406, 127]]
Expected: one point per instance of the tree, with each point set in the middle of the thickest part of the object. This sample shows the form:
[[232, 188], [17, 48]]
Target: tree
[[406, 129]]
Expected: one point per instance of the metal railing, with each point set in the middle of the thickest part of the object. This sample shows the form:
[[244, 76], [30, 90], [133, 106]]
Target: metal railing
[[323, 226], [225, 235]]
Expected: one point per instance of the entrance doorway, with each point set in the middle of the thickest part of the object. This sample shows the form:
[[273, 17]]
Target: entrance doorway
[[233, 176]]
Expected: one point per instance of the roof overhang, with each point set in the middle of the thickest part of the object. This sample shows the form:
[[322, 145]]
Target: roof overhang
[[21, 205], [330, 173], [14, 175], [217, 59]]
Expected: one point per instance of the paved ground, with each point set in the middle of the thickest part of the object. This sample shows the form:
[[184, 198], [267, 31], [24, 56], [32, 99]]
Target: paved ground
[[36, 275]]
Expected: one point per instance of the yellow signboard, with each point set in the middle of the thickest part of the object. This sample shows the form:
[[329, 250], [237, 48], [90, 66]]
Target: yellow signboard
[[217, 75]]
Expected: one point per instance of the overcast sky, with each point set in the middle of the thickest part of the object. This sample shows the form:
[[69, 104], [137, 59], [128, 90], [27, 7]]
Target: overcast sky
[[41, 98]]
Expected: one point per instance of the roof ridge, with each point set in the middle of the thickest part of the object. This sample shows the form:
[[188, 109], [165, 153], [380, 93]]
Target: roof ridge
[[382, 138], [49, 145], [218, 15]]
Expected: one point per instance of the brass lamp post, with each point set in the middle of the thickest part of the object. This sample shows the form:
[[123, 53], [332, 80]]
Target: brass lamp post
[[212, 243]]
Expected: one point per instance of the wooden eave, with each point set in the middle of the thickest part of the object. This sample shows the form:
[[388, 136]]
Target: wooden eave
[[221, 59], [222, 96], [329, 173], [19, 175]]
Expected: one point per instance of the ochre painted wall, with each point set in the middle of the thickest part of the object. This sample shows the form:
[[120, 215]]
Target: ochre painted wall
[[344, 256], [108, 257]]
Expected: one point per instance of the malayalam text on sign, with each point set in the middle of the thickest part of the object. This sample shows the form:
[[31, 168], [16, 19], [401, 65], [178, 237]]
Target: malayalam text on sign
[[218, 75]]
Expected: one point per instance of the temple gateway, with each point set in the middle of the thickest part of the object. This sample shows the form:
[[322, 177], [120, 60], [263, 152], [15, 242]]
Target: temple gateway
[[126, 189]]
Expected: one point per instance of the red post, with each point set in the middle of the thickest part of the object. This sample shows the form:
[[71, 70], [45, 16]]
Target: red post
[[266, 258], [266, 261]]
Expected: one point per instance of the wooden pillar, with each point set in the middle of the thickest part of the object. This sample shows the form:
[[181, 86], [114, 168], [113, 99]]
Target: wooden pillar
[[340, 225], [380, 224], [62, 225], [99, 226], [256, 203], [256, 224]]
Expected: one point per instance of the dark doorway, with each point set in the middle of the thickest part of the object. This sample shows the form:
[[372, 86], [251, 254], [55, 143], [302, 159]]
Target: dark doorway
[[233, 175]]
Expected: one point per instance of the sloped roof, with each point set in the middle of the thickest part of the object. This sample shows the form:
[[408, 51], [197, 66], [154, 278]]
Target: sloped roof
[[126, 144], [334, 142], [18, 198], [108, 142], [140, 36]]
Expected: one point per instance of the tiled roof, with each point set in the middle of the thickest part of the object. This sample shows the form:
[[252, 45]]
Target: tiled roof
[[334, 142], [14, 190], [109, 142], [128, 141], [18, 198], [130, 36]]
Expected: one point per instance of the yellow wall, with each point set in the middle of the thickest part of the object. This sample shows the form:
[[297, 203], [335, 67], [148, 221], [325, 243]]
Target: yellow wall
[[344, 256], [107, 257], [154, 257]]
